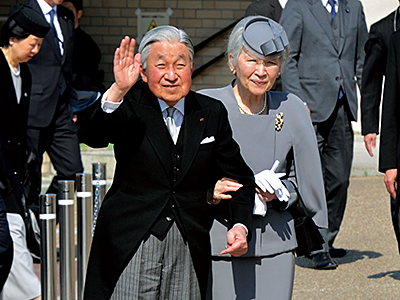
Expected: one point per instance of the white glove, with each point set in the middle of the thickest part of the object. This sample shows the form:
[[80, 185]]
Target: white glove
[[268, 180], [260, 207]]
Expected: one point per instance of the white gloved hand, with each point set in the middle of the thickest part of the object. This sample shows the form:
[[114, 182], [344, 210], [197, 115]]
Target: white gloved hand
[[268, 180]]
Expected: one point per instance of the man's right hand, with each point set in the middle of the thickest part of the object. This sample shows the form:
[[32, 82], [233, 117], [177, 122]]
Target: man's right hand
[[370, 142], [390, 180], [126, 69]]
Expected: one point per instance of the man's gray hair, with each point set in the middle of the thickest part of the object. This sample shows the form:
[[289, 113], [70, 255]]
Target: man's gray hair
[[235, 44], [166, 33]]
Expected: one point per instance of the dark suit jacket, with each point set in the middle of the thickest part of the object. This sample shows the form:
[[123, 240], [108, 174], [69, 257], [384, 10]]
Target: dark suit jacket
[[13, 124], [146, 181], [376, 50], [318, 65], [50, 71], [389, 141], [267, 8]]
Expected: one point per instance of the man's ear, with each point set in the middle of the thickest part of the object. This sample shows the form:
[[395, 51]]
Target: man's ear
[[143, 74], [79, 14], [193, 66]]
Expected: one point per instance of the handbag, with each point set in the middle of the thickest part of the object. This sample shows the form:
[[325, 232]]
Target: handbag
[[307, 234]]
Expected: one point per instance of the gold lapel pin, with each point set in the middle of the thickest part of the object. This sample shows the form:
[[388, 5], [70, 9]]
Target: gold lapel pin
[[279, 121]]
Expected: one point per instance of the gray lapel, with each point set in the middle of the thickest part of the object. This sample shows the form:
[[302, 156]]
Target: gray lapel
[[344, 17], [319, 12]]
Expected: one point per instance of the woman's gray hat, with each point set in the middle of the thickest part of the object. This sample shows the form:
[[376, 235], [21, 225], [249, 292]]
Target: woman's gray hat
[[28, 19], [263, 37]]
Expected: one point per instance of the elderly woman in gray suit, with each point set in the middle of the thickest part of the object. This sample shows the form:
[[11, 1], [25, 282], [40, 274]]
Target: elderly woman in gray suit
[[275, 133]]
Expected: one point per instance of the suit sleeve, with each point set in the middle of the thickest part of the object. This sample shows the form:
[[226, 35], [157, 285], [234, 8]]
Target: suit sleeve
[[291, 21], [232, 165], [390, 109], [372, 78], [362, 36]]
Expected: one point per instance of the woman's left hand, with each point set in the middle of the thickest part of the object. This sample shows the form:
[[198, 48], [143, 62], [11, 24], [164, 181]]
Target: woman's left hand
[[265, 196]]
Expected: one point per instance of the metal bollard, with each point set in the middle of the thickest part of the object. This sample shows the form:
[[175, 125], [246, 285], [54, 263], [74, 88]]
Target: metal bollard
[[99, 183], [85, 220], [66, 201], [48, 248]]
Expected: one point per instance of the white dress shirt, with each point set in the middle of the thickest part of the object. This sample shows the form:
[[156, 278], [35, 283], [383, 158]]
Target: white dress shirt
[[46, 8]]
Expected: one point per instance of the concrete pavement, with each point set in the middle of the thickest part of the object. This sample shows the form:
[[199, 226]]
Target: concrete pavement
[[371, 269]]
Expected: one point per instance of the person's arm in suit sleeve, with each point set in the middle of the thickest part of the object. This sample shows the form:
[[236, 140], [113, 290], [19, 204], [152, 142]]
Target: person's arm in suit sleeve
[[371, 87], [362, 37], [390, 112], [231, 164], [292, 21]]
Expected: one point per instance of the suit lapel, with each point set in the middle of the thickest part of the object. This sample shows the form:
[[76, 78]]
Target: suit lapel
[[344, 16], [195, 122], [319, 12], [149, 111], [62, 19]]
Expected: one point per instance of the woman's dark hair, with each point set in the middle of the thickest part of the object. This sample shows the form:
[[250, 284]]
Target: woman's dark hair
[[12, 30]]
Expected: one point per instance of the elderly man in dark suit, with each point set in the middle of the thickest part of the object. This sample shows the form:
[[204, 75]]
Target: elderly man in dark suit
[[389, 150], [171, 146], [327, 40], [50, 125]]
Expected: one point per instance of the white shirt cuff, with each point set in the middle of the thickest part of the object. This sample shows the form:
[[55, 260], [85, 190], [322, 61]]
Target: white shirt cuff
[[244, 226], [108, 106]]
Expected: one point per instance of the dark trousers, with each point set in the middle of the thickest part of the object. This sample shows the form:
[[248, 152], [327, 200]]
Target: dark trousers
[[395, 210], [335, 139], [60, 141]]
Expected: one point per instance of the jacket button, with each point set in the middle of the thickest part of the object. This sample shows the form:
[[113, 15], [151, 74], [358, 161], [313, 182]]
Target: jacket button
[[337, 78], [176, 169], [168, 219], [177, 156]]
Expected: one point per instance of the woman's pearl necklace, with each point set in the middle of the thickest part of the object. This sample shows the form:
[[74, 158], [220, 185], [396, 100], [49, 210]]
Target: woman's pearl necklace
[[257, 113], [16, 71]]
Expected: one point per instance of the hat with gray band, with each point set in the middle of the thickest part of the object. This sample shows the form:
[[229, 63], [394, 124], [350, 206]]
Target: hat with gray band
[[263, 37]]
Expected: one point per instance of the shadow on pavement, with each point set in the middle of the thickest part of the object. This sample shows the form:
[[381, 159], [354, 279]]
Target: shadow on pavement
[[352, 256], [393, 274]]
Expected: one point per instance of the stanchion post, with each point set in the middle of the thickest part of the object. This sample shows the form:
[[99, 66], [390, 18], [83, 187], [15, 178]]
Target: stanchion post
[[99, 183], [48, 248], [84, 226], [66, 201]]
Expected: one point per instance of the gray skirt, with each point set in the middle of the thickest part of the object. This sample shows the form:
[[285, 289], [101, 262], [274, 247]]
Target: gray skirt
[[269, 278]]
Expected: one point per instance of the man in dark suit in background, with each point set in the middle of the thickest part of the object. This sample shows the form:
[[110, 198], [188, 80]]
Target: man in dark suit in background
[[86, 84], [376, 49], [389, 149], [327, 39], [268, 8], [376, 52], [171, 146], [50, 125]]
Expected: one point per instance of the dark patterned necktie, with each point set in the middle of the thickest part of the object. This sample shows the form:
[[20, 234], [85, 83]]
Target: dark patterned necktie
[[332, 4]]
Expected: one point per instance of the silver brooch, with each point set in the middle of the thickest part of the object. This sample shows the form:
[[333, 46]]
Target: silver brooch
[[279, 121]]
